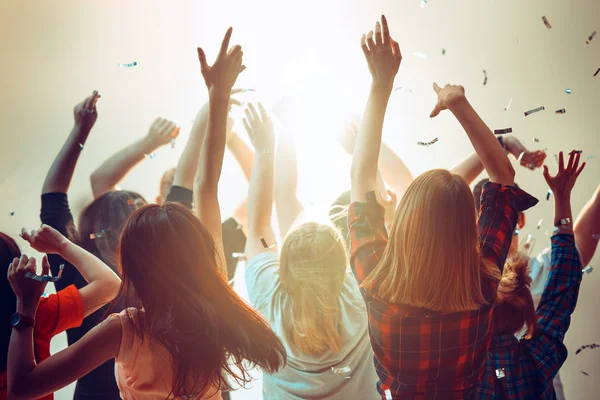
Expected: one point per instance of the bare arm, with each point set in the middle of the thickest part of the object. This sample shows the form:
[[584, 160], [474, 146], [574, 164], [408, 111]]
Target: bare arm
[[587, 228], [260, 192], [103, 284], [188, 162], [286, 182], [106, 177], [219, 79], [60, 173], [395, 173], [245, 158]]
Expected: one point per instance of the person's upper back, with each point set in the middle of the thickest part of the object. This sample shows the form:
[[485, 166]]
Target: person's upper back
[[143, 368]]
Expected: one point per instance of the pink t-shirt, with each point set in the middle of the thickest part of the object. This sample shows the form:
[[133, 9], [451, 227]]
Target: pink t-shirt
[[143, 369]]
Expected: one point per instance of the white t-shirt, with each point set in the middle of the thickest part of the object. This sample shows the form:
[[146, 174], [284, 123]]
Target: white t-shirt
[[308, 376], [539, 269]]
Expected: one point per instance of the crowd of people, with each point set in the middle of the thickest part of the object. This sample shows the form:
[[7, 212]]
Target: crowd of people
[[417, 288]]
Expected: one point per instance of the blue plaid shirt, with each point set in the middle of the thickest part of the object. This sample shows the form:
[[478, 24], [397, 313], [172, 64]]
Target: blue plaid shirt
[[524, 369]]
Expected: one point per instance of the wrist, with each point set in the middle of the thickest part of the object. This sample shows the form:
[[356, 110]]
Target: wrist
[[148, 144], [217, 93], [382, 86], [27, 307], [459, 104]]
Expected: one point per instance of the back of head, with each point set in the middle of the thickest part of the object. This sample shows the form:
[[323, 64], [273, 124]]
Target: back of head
[[9, 250], [514, 304], [338, 213], [432, 258], [169, 268], [312, 269], [101, 222], [166, 182]]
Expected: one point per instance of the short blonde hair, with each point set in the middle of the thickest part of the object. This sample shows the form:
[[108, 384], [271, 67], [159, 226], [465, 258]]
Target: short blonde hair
[[312, 268], [432, 259]]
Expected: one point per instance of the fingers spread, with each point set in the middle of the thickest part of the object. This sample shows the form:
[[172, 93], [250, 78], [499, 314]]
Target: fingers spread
[[547, 175], [561, 162], [396, 50], [225, 43], [580, 169], [386, 30], [436, 87], [435, 112], [202, 59], [378, 39]]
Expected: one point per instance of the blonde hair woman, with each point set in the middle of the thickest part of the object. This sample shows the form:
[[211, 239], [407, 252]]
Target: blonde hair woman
[[430, 289], [307, 294]]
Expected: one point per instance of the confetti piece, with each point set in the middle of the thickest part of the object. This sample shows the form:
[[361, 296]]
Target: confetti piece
[[555, 230], [151, 155], [585, 373], [484, 77], [561, 111], [238, 255], [589, 39], [81, 146], [597, 72], [128, 65], [500, 373], [587, 346], [546, 22], [173, 143], [423, 3], [265, 245], [596, 236], [536, 140], [517, 231], [508, 106], [502, 131], [137, 202], [443, 52], [97, 235], [12, 214], [534, 110], [46, 278], [540, 223], [568, 91], [427, 143], [548, 194], [421, 55], [343, 370], [587, 270]]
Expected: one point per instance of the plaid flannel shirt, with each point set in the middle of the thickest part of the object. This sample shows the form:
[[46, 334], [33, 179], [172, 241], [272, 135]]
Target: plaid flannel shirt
[[421, 354], [526, 367]]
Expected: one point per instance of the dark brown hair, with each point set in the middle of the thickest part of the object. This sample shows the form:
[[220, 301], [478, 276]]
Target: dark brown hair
[[168, 266], [9, 250], [514, 303]]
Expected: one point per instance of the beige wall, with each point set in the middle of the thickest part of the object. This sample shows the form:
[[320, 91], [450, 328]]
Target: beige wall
[[55, 53]]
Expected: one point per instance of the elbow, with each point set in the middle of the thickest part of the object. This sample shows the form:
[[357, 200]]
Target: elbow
[[112, 287], [16, 391]]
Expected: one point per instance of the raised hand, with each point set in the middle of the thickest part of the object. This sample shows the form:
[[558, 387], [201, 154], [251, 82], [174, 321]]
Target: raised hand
[[448, 96], [221, 76], [27, 290], [382, 54], [162, 132], [45, 240], [260, 129], [532, 159], [562, 184], [85, 113]]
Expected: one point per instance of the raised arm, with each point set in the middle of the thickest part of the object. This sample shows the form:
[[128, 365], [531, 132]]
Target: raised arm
[[103, 284], [25, 378], [491, 154], [383, 58], [219, 79], [587, 228], [260, 193], [244, 156], [471, 167], [60, 173], [113, 170], [286, 182]]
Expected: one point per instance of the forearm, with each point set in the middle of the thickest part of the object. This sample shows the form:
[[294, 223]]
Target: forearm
[[562, 211], [113, 170], [368, 143], [60, 173], [486, 145], [188, 163], [587, 228], [21, 356], [393, 170], [91, 268], [286, 182], [243, 155], [469, 168], [260, 192]]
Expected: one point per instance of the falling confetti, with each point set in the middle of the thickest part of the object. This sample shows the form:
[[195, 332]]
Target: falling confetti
[[536, 140], [128, 65], [517, 231], [137, 202], [585, 373], [576, 152], [587, 346], [597, 72], [484, 77], [151, 155], [12, 214], [343, 370], [46, 278], [265, 245], [502, 131], [81, 146], [546, 22], [534, 110], [540, 223], [587, 270], [421, 55], [423, 3], [500, 373], [548, 194], [508, 106], [427, 143], [589, 39], [568, 91], [443, 52], [561, 111], [97, 235], [238, 255]]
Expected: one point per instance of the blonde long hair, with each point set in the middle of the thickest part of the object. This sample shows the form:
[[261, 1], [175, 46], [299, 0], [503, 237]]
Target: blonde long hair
[[312, 268], [432, 259]]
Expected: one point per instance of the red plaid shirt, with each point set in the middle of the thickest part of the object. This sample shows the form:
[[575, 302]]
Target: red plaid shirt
[[421, 354]]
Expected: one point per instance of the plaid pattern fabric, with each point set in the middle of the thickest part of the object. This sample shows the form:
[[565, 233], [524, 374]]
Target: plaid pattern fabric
[[421, 354], [529, 365]]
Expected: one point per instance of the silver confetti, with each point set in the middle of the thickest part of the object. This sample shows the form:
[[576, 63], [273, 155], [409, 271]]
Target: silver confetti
[[568, 91], [342, 370], [589, 39], [540, 223], [546, 22], [500, 373], [561, 111], [81, 146], [548, 194], [587, 346], [484, 78], [587, 270], [427, 143], [127, 65], [502, 131], [536, 140], [46, 278], [150, 156], [423, 3], [508, 106], [534, 110]]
